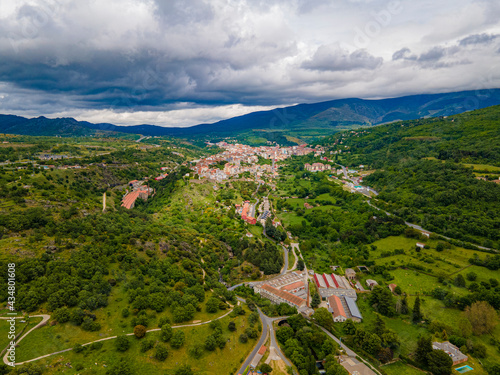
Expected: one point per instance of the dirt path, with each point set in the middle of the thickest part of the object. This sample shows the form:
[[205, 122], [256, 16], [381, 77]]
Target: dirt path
[[47, 317]]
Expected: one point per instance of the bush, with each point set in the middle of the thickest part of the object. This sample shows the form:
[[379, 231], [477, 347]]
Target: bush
[[139, 331], [196, 351], [147, 345], [161, 353], [183, 370], [231, 326], [125, 312], [163, 321], [211, 343], [96, 345], [62, 315], [78, 348], [243, 338], [122, 343], [265, 368], [166, 332], [177, 339]]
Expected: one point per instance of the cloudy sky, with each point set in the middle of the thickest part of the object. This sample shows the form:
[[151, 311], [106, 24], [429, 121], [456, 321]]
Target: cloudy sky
[[183, 62]]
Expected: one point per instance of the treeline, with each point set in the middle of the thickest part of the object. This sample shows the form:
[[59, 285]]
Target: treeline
[[442, 197]]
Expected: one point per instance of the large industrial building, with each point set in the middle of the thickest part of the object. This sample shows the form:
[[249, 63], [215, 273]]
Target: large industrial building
[[334, 285]]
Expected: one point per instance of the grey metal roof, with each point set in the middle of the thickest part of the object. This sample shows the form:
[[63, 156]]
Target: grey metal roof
[[353, 308]]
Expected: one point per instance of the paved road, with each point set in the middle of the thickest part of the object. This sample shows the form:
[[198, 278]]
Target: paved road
[[348, 351], [261, 341], [274, 344], [285, 265]]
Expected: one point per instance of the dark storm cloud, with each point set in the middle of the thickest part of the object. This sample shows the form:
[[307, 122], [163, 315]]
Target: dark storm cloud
[[331, 58], [478, 39], [403, 54], [133, 56], [435, 58]]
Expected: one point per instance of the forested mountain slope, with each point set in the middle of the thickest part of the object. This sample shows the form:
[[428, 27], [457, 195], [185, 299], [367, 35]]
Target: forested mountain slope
[[424, 173]]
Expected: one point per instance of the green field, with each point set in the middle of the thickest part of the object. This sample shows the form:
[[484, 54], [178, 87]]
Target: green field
[[50, 339], [483, 167], [400, 368], [209, 363]]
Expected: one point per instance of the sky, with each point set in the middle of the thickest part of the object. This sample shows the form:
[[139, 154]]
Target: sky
[[185, 62]]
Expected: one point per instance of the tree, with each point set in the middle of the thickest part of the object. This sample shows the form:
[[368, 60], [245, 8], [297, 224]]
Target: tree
[[212, 305], [424, 347], [231, 326], [324, 318], [139, 331], [385, 355], [210, 343], [177, 339], [404, 306], [161, 352], [300, 265], [459, 281], [440, 246], [416, 313], [383, 301], [122, 343], [465, 327], [243, 338], [349, 327], [316, 300], [166, 332], [482, 317], [472, 276], [439, 362], [284, 334], [196, 351], [147, 345], [265, 368], [379, 326]]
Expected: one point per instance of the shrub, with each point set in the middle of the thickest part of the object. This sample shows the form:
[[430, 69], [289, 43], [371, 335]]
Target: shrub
[[243, 338], [139, 331], [122, 343], [177, 339], [147, 345], [161, 353], [96, 345]]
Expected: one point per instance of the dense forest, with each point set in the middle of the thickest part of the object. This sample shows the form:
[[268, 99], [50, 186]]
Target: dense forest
[[423, 176]]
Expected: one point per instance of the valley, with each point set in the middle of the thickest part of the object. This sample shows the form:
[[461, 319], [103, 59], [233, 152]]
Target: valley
[[230, 255]]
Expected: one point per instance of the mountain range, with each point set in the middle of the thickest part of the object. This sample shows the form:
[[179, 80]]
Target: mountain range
[[316, 118]]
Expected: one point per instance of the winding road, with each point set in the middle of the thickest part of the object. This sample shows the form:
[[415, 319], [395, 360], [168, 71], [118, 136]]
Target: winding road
[[267, 328]]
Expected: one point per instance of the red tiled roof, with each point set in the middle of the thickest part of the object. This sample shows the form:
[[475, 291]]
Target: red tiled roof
[[297, 301], [336, 306], [262, 350], [295, 285], [334, 278]]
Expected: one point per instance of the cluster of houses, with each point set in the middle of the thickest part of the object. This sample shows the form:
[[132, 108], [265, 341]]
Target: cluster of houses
[[317, 167], [237, 154]]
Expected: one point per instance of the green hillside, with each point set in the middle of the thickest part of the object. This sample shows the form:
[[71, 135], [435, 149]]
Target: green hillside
[[438, 173]]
